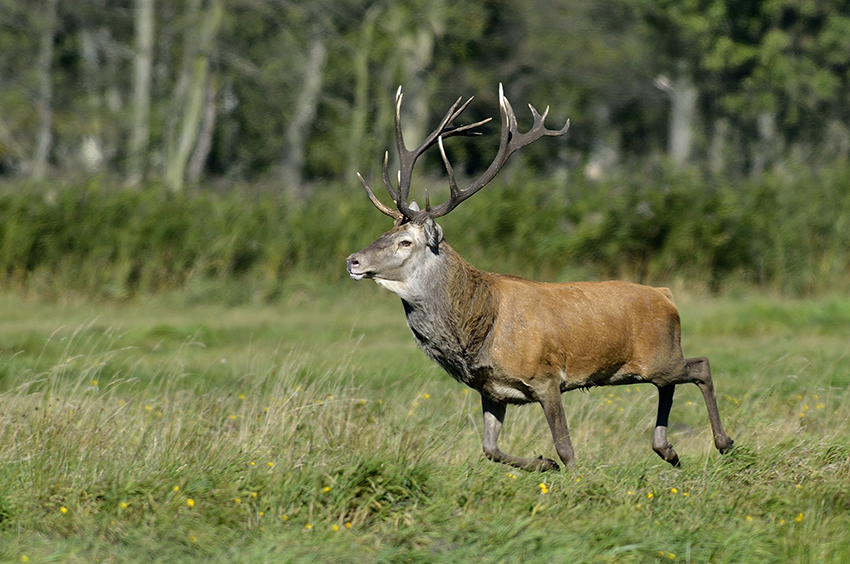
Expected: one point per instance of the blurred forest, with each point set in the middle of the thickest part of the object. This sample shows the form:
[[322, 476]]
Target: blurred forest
[[301, 91], [710, 138]]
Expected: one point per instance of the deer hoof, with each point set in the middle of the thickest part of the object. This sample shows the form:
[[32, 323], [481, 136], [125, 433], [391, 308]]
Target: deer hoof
[[546, 465], [724, 446]]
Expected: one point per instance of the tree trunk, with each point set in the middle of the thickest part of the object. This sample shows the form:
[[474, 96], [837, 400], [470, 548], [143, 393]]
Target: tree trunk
[[718, 163], [415, 36], [605, 154], [683, 104], [417, 53], [142, 66], [205, 136], [91, 153], [768, 147], [194, 99], [295, 143], [682, 113], [45, 93], [360, 111]]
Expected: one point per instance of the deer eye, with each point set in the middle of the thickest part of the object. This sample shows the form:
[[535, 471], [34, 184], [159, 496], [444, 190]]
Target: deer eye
[[404, 243]]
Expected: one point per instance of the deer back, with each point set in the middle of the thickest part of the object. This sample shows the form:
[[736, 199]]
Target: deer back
[[585, 333]]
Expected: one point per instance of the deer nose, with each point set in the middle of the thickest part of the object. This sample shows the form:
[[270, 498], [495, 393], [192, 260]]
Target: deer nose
[[352, 262]]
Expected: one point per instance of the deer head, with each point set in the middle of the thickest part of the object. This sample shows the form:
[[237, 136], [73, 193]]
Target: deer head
[[396, 257]]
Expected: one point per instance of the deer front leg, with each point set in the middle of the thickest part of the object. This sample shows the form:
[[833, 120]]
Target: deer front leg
[[557, 419], [659, 437], [494, 416]]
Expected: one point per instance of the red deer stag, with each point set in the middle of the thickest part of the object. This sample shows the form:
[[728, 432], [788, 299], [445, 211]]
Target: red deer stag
[[516, 341]]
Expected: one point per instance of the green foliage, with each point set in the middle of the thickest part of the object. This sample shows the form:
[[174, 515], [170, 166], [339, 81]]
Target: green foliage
[[786, 233]]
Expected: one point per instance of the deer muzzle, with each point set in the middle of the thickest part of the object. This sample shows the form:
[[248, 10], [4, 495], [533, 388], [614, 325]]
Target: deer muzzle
[[355, 268]]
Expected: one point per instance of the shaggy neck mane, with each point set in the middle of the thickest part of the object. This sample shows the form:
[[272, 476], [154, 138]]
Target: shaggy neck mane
[[453, 315]]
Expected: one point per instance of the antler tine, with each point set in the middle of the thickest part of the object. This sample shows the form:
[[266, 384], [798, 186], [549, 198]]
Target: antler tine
[[510, 141], [408, 158], [386, 175], [454, 191], [395, 214]]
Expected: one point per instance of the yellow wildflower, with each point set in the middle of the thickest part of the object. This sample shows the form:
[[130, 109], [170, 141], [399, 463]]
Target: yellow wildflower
[[63, 510], [190, 502]]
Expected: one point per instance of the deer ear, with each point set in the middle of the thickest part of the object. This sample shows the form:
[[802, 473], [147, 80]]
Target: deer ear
[[433, 233]]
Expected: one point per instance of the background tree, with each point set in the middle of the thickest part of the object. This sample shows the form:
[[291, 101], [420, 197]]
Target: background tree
[[142, 65], [303, 91]]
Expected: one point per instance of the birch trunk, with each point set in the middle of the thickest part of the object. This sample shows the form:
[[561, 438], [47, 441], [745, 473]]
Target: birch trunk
[[768, 148], [142, 67], [295, 143], [45, 92], [682, 111], [360, 111], [194, 99], [205, 136]]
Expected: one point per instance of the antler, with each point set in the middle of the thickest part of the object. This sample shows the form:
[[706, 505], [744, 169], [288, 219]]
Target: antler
[[511, 141]]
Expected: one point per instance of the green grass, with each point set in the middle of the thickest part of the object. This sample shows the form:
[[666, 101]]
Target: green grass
[[343, 443]]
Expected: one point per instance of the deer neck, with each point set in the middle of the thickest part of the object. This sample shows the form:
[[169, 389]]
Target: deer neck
[[451, 312]]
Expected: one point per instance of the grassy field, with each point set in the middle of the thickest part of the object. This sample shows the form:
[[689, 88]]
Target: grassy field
[[312, 430]]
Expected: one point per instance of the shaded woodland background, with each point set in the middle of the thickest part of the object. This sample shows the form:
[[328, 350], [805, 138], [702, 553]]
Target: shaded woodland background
[[709, 139]]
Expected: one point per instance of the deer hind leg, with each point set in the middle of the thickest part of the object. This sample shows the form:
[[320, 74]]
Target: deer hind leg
[[660, 444], [699, 372], [494, 416]]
